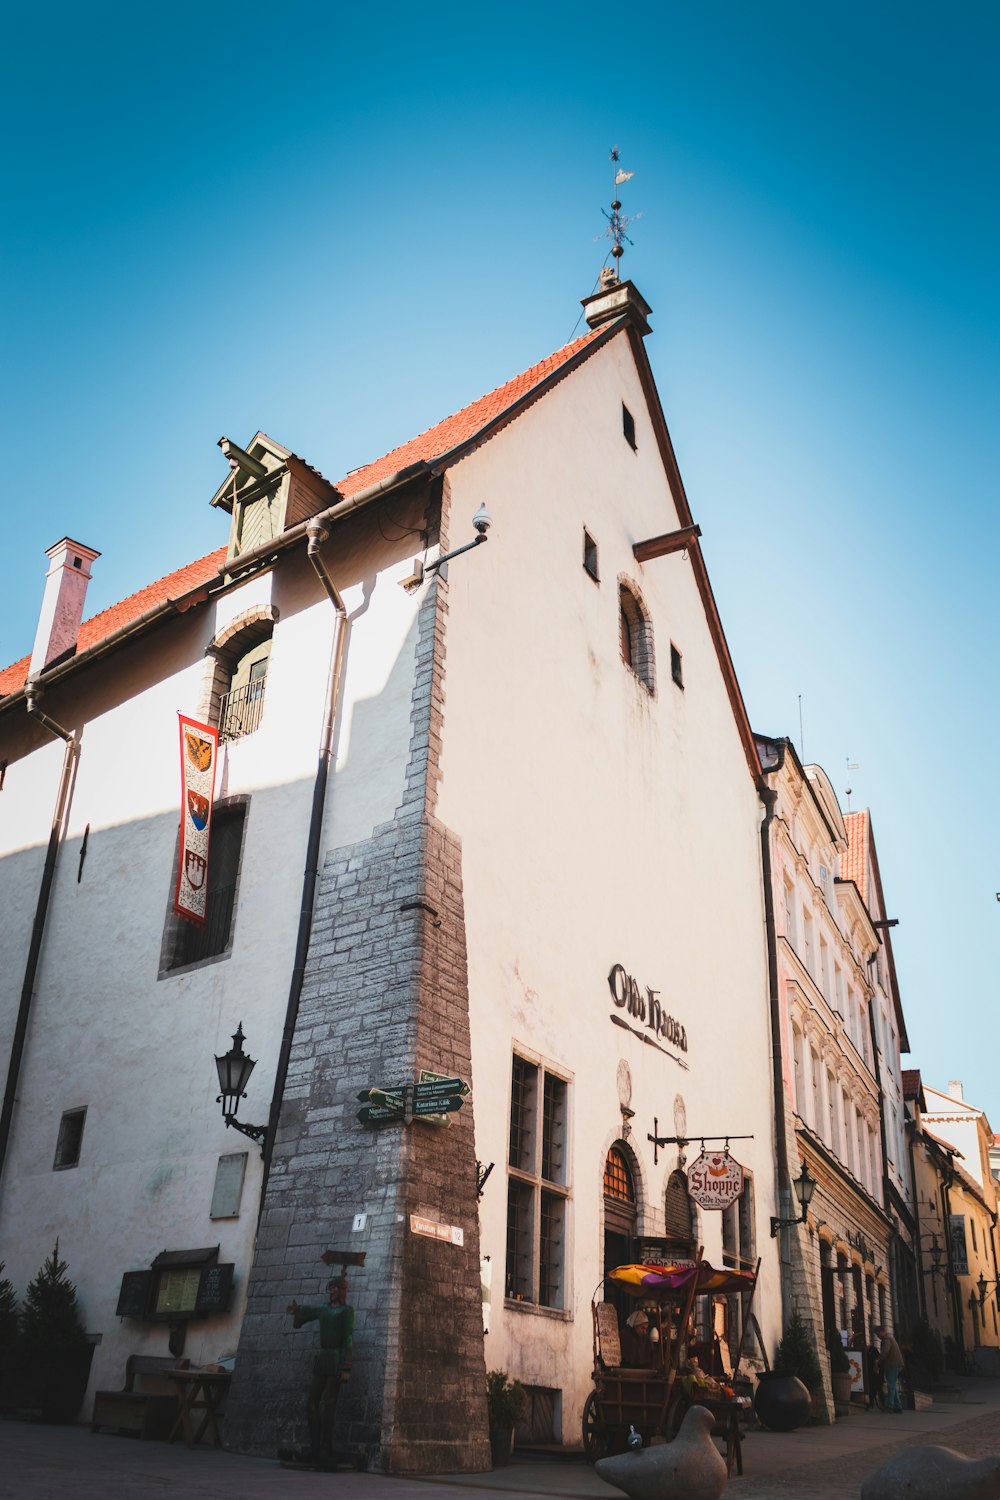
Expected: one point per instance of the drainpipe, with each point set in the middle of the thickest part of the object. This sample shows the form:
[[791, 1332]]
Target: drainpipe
[[33, 693], [769, 797], [317, 534]]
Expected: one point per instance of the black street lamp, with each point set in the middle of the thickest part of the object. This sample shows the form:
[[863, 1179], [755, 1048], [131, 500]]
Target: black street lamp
[[982, 1286], [234, 1068], [804, 1186]]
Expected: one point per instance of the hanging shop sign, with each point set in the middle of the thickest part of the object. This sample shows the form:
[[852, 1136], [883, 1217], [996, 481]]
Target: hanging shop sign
[[645, 1007], [715, 1180], [199, 751]]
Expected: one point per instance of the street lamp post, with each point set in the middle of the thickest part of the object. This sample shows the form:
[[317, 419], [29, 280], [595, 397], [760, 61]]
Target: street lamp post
[[234, 1068], [804, 1186]]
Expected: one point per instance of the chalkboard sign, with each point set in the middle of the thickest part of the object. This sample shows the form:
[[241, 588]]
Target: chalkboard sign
[[607, 1335], [133, 1299], [215, 1289]]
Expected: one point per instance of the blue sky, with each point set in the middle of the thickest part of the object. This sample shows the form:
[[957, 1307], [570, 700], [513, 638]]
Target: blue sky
[[339, 228]]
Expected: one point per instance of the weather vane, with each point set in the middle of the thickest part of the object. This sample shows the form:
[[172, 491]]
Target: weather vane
[[617, 221]]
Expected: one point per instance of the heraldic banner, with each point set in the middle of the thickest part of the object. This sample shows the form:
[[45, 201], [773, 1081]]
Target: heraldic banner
[[199, 750]]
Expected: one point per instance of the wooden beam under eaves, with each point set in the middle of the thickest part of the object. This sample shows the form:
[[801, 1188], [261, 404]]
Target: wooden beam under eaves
[[670, 541]]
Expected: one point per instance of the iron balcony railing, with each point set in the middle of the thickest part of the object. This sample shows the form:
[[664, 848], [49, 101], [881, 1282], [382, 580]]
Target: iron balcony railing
[[240, 711]]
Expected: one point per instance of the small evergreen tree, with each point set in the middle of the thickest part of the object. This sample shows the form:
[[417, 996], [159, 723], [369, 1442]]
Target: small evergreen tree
[[796, 1355], [51, 1328], [8, 1314]]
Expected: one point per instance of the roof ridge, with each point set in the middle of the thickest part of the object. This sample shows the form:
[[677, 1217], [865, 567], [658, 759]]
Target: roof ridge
[[450, 433]]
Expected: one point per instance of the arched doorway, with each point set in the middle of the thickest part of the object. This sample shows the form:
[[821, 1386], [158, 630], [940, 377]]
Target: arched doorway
[[621, 1219]]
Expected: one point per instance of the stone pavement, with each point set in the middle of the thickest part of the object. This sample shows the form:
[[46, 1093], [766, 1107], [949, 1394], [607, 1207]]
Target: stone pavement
[[816, 1463]]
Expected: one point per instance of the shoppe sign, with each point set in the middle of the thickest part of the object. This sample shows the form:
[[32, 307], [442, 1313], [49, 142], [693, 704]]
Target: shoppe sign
[[715, 1180]]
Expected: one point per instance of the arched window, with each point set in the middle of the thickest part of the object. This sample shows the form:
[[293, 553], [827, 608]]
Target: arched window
[[621, 1220], [242, 656], [636, 636], [618, 1184]]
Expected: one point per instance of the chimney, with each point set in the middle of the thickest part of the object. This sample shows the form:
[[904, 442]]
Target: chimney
[[617, 299], [62, 603], [955, 1090]]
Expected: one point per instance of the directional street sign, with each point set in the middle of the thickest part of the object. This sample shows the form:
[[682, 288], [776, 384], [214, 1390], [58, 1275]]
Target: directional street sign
[[390, 1098], [440, 1086], [375, 1114], [439, 1104]]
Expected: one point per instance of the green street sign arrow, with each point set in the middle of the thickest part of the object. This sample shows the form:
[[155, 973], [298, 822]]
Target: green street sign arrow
[[437, 1105], [440, 1086], [390, 1098], [375, 1114]]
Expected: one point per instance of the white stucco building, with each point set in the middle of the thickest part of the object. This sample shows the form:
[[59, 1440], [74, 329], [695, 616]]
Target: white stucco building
[[500, 822]]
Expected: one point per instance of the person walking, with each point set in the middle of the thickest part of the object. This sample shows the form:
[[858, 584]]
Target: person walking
[[891, 1360]]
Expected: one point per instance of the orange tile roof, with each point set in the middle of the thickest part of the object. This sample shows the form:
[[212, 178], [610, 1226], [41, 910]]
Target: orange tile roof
[[854, 863], [126, 611], [435, 443], [465, 424]]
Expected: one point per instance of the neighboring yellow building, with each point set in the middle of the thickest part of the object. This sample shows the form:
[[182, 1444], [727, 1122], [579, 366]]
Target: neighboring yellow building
[[957, 1210]]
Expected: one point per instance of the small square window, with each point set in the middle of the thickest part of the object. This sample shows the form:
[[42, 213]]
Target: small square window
[[70, 1139], [628, 426], [590, 556], [676, 668]]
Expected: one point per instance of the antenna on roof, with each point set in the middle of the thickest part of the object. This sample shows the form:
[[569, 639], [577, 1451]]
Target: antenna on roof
[[617, 221], [852, 765]]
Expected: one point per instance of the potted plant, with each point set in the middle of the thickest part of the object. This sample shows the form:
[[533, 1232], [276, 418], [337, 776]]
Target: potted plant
[[840, 1372], [506, 1405], [783, 1400], [55, 1352]]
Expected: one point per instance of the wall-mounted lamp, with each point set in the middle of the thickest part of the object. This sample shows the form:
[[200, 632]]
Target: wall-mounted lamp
[[983, 1286], [804, 1186], [481, 521], [235, 1067]]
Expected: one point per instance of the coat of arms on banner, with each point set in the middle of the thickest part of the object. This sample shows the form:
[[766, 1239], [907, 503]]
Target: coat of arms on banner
[[199, 751]]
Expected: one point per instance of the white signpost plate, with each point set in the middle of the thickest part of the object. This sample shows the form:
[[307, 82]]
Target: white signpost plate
[[715, 1180]]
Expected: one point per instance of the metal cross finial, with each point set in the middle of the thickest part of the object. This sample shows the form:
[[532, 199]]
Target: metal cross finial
[[617, 221]]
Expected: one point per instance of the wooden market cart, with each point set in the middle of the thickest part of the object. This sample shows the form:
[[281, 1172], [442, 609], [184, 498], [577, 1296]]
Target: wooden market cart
[[652, 1402]]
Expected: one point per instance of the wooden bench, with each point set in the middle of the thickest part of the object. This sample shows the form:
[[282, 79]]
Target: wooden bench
[[150, 1411]]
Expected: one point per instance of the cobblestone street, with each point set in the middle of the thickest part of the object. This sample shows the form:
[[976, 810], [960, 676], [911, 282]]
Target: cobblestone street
[[818, 1463]]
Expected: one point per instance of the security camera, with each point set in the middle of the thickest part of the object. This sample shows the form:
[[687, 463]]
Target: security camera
[[482, 520]]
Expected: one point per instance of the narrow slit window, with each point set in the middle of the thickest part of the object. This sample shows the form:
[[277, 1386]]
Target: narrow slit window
[[628, 426], [676, 666], [590, 556], [70, 1140]]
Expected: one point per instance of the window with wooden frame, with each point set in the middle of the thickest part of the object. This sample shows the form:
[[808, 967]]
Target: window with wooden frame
[[186, 942], [537, 1186]]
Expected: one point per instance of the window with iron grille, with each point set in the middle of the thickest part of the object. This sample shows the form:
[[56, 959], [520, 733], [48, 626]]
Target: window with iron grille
[[189, 942], [537, 1186], [242, 703]]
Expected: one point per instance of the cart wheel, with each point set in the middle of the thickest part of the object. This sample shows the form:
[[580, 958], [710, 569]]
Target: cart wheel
[[679, 1408], [595, 1438]]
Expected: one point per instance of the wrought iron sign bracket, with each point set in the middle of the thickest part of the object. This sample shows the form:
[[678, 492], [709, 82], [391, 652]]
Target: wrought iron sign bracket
[[685, 1140]]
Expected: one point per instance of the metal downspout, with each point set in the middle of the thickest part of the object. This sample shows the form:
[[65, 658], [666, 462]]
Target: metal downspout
[[32, 696], [921, 1289], [769, 797], [317, 534]]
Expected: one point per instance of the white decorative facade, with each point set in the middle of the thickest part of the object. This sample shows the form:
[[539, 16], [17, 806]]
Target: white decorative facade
[[500, 821]]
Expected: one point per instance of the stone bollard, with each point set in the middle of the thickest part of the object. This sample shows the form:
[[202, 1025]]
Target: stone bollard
[[932, 1473], [689, 1468]]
